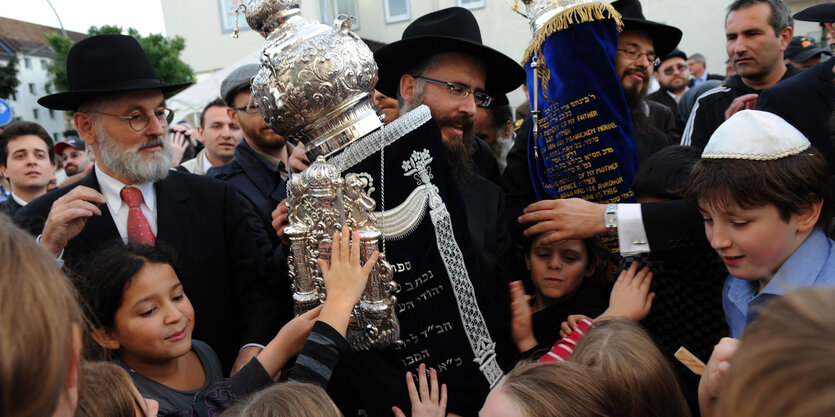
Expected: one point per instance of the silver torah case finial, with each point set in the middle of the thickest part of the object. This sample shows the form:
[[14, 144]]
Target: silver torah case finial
[[316, 82], [539, 12], [320, 202]]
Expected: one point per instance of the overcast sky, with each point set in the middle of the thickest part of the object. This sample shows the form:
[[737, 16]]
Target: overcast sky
[[79, 15]]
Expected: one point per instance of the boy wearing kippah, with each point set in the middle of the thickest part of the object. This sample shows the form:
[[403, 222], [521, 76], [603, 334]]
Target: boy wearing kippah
[[766, 198]]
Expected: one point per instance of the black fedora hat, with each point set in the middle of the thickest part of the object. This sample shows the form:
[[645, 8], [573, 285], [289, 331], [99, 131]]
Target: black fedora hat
[[449, 30], [823, 13], [665, 38], [105, 64]]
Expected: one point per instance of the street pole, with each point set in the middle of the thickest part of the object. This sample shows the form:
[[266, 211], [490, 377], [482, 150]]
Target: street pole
[[64, 32]]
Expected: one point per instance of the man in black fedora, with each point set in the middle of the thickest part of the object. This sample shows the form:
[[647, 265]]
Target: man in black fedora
[[131, 195], [640, 46], [441, 63]]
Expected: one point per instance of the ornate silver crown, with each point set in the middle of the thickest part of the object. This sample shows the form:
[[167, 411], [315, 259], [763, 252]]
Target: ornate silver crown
[[316, 81], [320, 202]]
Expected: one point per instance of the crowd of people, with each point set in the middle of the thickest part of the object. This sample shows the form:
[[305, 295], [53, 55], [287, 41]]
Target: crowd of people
[[108, 261]]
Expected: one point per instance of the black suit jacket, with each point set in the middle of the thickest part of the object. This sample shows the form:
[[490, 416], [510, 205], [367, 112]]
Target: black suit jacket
[[200, 219], [806, 102]]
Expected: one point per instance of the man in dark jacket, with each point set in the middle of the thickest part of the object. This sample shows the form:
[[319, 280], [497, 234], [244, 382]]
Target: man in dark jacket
[[806, 101], [672, 75], [132, 196], [258, 174], [758, 31]]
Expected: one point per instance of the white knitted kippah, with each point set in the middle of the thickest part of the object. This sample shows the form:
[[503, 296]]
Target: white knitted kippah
[[756, 135]]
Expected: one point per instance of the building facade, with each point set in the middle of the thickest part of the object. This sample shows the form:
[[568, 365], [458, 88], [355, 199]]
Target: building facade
[[209, 24], [27, 42]]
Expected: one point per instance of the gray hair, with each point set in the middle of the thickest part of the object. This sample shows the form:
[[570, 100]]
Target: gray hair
[[698, 57]]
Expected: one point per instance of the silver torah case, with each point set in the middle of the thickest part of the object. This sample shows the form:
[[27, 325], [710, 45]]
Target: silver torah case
[[315, 86]]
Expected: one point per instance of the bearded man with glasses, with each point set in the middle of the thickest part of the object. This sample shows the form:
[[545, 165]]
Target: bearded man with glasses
[[673, 76], [131, 195]]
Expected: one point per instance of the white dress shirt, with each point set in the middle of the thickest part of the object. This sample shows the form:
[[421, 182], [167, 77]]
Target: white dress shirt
[[111, 189]]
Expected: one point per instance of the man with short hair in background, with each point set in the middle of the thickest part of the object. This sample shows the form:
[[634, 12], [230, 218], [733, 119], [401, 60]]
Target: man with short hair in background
[[698, 69], [26, 159], [757, 33], [220, 134]]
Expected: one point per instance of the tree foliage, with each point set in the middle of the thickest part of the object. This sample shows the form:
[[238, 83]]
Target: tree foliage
[[8, 78], [164, 54], [58, 68]]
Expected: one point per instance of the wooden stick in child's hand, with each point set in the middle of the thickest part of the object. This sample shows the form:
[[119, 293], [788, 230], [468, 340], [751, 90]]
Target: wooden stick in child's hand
[[690, 361]]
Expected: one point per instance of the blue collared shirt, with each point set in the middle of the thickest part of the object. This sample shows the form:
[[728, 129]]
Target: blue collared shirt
[[811, 265]]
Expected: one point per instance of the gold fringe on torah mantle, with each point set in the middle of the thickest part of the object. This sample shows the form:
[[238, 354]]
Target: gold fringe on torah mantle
[[577, 14]]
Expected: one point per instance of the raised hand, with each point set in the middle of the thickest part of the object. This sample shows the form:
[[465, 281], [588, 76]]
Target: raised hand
[[521, 322], [344, 278], [630, 296], [428, 400]]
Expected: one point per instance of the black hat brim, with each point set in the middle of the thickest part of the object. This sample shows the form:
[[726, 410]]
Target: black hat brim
[[822, 13], [665, 38], [71, 100], [393, 60]]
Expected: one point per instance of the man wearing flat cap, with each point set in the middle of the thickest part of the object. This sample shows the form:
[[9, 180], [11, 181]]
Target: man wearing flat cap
[[672, 75], [131, 195], [806, 100]]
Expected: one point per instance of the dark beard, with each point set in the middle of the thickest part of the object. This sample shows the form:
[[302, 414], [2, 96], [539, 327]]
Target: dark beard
[[457, 153], [635, 103]]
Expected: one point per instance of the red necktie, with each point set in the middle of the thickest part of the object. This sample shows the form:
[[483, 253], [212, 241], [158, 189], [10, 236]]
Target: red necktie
[[139, 231]]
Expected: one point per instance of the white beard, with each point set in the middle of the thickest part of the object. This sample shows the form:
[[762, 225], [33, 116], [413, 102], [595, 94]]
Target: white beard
[[129, 162]]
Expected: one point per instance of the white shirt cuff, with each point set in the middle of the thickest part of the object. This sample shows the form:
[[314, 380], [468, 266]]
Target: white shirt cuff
[[59, 260], [250, 345], [632, 237]]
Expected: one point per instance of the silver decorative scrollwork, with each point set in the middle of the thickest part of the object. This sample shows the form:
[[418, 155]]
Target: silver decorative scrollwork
[[316, 81], [320, 202]]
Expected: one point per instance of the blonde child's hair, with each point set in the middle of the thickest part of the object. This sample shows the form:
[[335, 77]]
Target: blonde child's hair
[[785, 365], [38, 315], [106, 391], [633, 370], [288, 399], [557, 389]]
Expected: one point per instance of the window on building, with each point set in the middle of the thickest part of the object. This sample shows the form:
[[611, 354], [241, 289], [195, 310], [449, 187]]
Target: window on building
[[32, 89], [52, 114], [396, 10], [47, 88], [55, 139], [471, 4], [14, 95], [35, 113], [27, 63], [331, 9], [43, 64]]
